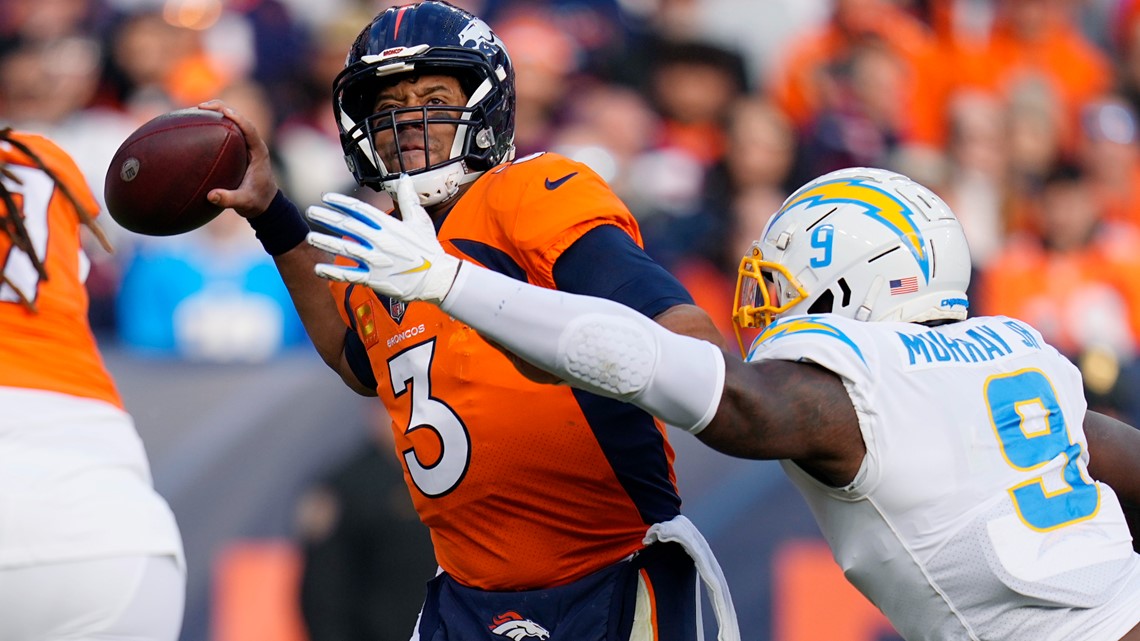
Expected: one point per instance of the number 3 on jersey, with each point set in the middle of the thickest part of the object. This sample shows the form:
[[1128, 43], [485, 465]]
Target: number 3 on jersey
[[411, 368], [1028, 422]]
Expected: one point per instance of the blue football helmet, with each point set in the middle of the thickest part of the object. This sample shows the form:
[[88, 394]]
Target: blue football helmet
[[432, 37]]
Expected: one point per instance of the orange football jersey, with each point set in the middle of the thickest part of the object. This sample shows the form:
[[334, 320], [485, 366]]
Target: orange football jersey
[[52, 348], [522, 485]]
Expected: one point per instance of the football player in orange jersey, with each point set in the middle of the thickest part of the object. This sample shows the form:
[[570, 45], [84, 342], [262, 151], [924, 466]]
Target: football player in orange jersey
[[553, 512], [88, 549]]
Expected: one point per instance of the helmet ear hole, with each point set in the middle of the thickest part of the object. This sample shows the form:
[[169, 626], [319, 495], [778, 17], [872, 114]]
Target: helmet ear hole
[[843, 287], [825, 304]]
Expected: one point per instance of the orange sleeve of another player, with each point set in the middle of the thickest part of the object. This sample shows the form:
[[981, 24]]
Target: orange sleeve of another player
[[542, 205], [52, 348]]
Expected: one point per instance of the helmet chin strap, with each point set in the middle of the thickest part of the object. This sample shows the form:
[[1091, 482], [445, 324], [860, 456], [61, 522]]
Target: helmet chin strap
[[438, 185], [864, 311]]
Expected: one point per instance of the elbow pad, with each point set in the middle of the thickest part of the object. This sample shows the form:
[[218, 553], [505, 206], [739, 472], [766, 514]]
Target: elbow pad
[[594, 344], [676, 378]]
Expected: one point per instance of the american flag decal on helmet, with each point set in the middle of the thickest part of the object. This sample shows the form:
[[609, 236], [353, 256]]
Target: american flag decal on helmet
[[908, 285]]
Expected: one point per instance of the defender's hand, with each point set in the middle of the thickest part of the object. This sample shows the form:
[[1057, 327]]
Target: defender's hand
[[401, 259]]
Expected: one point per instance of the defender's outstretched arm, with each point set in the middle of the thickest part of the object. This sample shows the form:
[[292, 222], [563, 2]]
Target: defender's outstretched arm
[[594, 344], [772, 409]]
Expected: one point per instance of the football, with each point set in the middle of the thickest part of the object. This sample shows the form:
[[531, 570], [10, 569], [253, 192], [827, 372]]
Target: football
[[158, 179]]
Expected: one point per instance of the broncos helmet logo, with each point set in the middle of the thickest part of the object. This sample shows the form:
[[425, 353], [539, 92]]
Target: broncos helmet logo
[[876, 203], [513, 626], [480, 34]]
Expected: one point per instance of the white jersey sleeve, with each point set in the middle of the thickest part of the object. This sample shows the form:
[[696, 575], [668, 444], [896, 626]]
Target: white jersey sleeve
[[973, 515], [821, 340]]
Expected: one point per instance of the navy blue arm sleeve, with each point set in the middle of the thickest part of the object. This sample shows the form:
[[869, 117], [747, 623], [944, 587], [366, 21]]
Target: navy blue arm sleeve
[[607, 263]]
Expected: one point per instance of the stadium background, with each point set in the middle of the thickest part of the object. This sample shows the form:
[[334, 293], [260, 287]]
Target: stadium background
[[703, 114]]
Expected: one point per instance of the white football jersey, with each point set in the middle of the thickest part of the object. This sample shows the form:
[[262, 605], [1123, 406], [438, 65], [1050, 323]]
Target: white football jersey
[[973, 515]]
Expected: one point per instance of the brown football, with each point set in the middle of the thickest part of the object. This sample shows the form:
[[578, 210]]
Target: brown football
[[158, 179]]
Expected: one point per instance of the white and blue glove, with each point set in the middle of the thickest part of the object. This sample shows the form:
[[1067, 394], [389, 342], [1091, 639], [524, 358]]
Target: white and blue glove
[[398, 258]]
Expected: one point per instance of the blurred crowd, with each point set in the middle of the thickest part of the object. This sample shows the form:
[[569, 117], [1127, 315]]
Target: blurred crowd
[[702, 114]]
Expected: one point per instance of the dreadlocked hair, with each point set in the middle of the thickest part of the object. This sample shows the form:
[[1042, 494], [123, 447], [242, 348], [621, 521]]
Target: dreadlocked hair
[[12, 219]]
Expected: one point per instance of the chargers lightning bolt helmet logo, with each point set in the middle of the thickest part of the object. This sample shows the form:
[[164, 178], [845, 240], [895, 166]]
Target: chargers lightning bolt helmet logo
[[875, 202], [867, 244]]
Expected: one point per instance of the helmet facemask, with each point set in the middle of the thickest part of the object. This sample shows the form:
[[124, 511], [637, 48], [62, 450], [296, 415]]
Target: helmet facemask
[[439, 178], [764, 290]]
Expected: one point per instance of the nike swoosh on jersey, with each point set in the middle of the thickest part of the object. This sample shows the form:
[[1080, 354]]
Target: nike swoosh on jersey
[[555, 184], [415, 270]]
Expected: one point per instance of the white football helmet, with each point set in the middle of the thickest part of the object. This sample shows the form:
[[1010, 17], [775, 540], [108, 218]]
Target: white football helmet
[[867, 244]]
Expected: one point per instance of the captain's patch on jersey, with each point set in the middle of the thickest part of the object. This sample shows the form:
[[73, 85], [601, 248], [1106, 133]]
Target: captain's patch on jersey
[[366, 324]]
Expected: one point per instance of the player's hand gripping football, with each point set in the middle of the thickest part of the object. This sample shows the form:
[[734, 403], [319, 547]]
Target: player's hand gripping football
[[401, 259]]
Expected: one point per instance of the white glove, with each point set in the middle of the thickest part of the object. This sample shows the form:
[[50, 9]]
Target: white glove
[[401, 259]]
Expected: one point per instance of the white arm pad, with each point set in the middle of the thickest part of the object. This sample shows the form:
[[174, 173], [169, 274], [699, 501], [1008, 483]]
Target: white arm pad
[[594, 344]]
